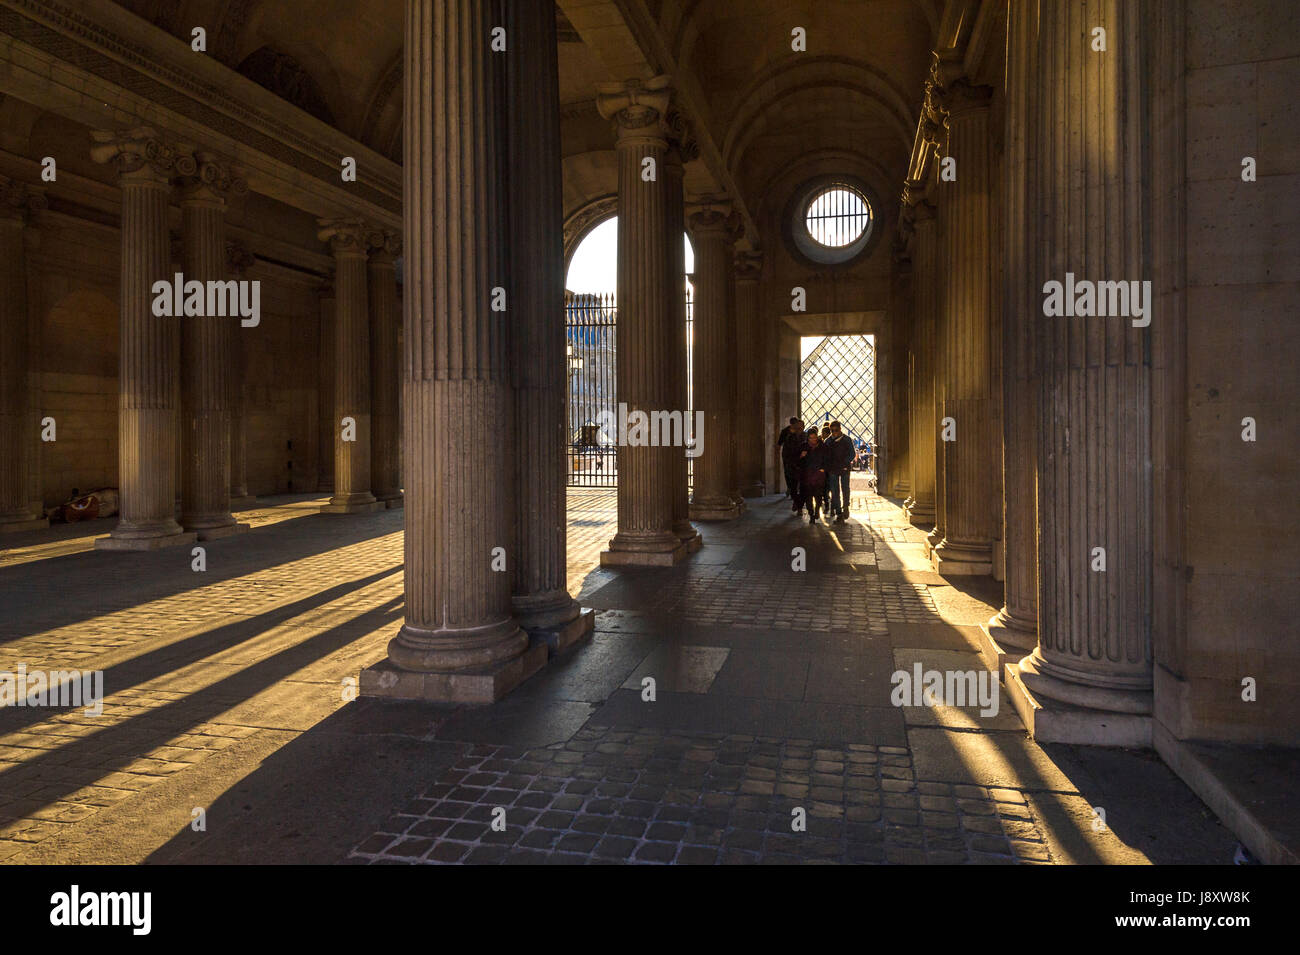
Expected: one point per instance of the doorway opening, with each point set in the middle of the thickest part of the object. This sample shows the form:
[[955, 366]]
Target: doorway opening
[[837, 382]]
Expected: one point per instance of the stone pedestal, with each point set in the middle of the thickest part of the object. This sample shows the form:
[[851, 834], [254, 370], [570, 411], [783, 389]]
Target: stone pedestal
[[475, 684], [539, 597], [646, 338], [352, 429], [714, 498], [18, 434], [385, 376], [460, 640], [207, 357], [148, 382], [1093, 426]]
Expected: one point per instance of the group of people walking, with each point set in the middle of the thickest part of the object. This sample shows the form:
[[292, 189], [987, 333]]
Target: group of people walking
[[817, 466]]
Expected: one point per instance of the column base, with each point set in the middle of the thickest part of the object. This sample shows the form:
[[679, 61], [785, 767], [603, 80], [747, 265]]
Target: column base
[[618, 557], [216, 533], [714, 511], [755, 489], [561, 638], [357, 507], [689, 535], [957, 560], [32, 524], [901, 490], [481, 684], [1054, 721], [145, 543], [244, 502], [918, 514], [1003, 640], [393, 500]]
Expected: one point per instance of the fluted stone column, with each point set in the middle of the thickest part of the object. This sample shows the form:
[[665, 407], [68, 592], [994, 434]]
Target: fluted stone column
[[924, 425], [238, 261], [460, 640], [969, 486], [1014, 628], [385, 367], [207, 357], [1090, 143], [352, 426], [751, 443], [17, 417], [714, 232], [733, 383], [900, 324], [540, 595], [326, 431], [646, 339], [682, 148], [148, 380]]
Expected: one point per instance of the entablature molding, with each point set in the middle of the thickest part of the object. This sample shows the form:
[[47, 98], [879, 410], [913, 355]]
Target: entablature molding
[[98, 64]]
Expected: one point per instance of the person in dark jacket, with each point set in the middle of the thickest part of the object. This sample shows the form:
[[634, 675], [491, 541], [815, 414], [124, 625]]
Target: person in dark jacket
[[791, 448], [840, 452], [812, 476], [790, 431]]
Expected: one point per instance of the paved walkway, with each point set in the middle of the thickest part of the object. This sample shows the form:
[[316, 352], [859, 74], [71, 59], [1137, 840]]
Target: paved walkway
[[229, 732]]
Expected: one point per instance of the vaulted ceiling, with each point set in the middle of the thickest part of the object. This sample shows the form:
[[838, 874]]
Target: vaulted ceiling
[[762, 109]]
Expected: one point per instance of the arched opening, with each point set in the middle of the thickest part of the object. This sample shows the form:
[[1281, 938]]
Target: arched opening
[[591, 318]]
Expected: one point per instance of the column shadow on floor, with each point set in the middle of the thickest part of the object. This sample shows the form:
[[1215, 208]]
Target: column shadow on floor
[[72, 588], [81, 761]]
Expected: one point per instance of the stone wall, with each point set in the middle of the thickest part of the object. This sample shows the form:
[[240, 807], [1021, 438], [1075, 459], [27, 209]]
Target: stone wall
[[1242, 340]]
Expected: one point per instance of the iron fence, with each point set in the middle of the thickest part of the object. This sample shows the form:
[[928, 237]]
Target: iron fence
[[591, 327]]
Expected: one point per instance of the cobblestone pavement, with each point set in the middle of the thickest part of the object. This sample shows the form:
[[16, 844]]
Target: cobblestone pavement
[[644, 796], [229, 694]]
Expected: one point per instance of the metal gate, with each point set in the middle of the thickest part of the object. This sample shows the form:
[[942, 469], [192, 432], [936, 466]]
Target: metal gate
[[590, 325]]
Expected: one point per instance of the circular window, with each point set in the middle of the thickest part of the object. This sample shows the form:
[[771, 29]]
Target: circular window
[[830, 221], [837, 216]]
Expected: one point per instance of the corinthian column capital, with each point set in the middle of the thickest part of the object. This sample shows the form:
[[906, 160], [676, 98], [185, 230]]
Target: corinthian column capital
[[140, 153], [922, 210], [213, 178], [385, 245], [962, 96], [638, 108], [18, 200], [238, 258], [713, 219], [346, 236], [749, 266], [681, 135]]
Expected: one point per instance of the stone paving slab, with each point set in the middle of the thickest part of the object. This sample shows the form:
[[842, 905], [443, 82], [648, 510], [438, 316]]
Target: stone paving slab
[[934, 636], [648, 797], [730, 714], [969, 717]]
